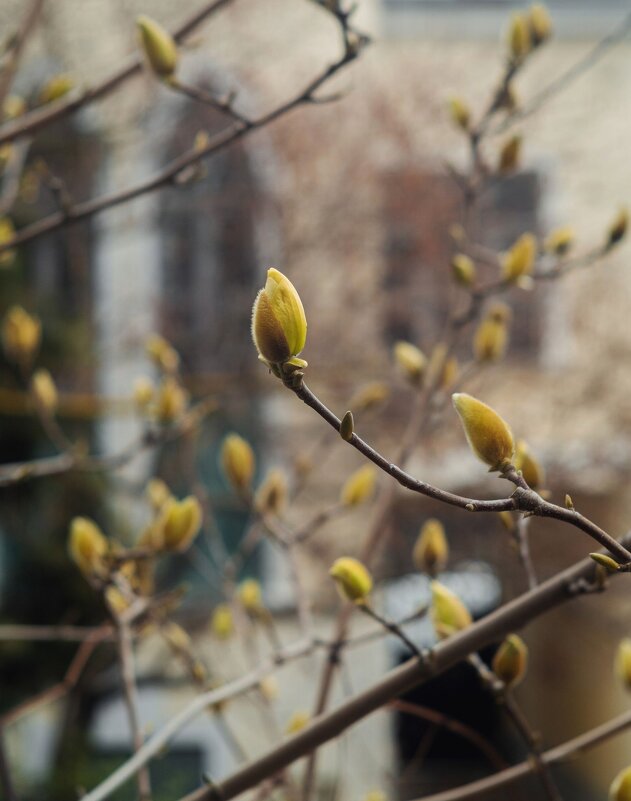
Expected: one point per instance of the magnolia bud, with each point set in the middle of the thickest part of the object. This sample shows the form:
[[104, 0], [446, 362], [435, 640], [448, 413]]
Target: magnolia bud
[[157, 493], [55, 88], [530, 468], [143, 392], [459, 112], [618, 228], [463, 269], [569, 503], [620, 789], [489, 437], [268, 688], [222, 622], [520, 259], [491, 336], [88, 546], [559, 241], [13, 106], [162, 353], [250, 596], [519, 42], [511, 660], [510, 155], [540, 23], [7, 232], [297, 722], [449, 614], [115, 600], [610, 565], [237, 462], [347, 427], [431, 549], [181, 521], [411, 361], [171, 400], [44, 391], [623, 662], [21, 335], [271, 496], [353, 580], [159, 47], [370, 396], [359, 486], [279, 325]]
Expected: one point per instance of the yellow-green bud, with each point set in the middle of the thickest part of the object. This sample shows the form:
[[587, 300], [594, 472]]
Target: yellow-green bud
[[297, 722], [610, 565], [352, 578], [569, 503], [162, 353], [488, 435], [157, 493], [55, 88], [540, 23], [180, 523], [620, 789], [250, 596], [279, 325], [159, 47], [531, 469], [519, 41], [491, 336], [463, 269], [623, 662], [449, 614], [237, 462], [347, 426], [44, 391], [7, 232], [559, 241], [520, 259], [431, 549], [271, 496], [511, 660], [459, 113], [359, 486], [618, 228], [21, 335], [88, 546], [171, 400], [222, 622], [411, 360], [510, 155]]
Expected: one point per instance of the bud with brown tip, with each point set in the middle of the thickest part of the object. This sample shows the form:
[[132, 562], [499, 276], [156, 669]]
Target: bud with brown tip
[[88, 547]]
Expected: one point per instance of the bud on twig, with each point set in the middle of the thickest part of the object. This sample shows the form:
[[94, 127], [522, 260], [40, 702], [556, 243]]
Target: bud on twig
[[180, 523], [410, 360], [463, 269], [560, 241], [159, 47], [623, 662], [618, 228], [88, 546], [431, 550], [530, 468], [55, 88], [519, 41], [491, 336], [353, 580], [610, 565], [21, 335], [237, 462], [520, 259], [620, 789], [271, 496], [459, 113], [539, 23], [488, 435], [7, 232], [347, 427], [250, 596], [510, 155], [222, 622], [448, 613], [279, 325], [511, 661]]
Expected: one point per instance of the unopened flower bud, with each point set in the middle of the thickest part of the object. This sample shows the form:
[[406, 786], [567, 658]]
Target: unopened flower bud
[[157, 493], [44, 391], [143, 392], [237, 462], [250, 596], [88, 546], [530, 468], [539, 23], [359, 486], [222, 622], [431, 549], [623, 662], [347, 426], [7, 232], [171, 400], [489, 437], [449, 614], [519, 41], [569, 503], [159, 47], [162, 353], [618, 228], [353, 580], [410, 360], [510, 155], [271, 496], [459, 113], [559, 241], [463, 269], [297, 722], [610, 565], [511, 660], [520, 259], [620, 789], [181, 521], [55, 88], [491, 336], [21, 335], [279, 325]]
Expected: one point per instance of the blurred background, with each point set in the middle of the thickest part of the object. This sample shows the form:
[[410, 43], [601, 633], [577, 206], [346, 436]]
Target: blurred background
[[354, 201]]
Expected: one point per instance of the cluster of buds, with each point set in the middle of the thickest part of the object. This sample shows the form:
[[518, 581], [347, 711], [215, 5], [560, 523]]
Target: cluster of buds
[[528, 30], [488, 435], [167, 401], [175, 524]]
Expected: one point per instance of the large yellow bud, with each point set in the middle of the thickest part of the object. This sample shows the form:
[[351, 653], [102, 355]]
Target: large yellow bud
[[489, 437], [353, 580], [159, 47], [449, 614], [279, 325]]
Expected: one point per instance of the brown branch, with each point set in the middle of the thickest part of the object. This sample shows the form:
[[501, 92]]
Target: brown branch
[[41, 117], [11, 631], [16, 48]]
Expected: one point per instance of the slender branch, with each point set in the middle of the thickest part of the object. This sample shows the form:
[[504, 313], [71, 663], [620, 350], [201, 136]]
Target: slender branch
[[12, 631], [16, 48]]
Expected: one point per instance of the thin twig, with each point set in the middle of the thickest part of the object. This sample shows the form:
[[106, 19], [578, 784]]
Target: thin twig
[[16, 48]]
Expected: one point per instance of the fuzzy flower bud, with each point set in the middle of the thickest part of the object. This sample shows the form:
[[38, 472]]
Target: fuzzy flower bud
[[449, 614], [180, 523], [520, 259], [353, 580], [159, 47], [279, 325], [511, 660], [539, 23], [510, 155], [431, 549], [559, 241], [250, 596], [44, 391], [620, 789], [489, 437], [87, 546], [359, 486], [271, 496], [618, 228], [531, 469], [222, 622], [459, 113], [21, 335], [13, 106], [623, 662], [410, 360], [237, 462], [463, 269]]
